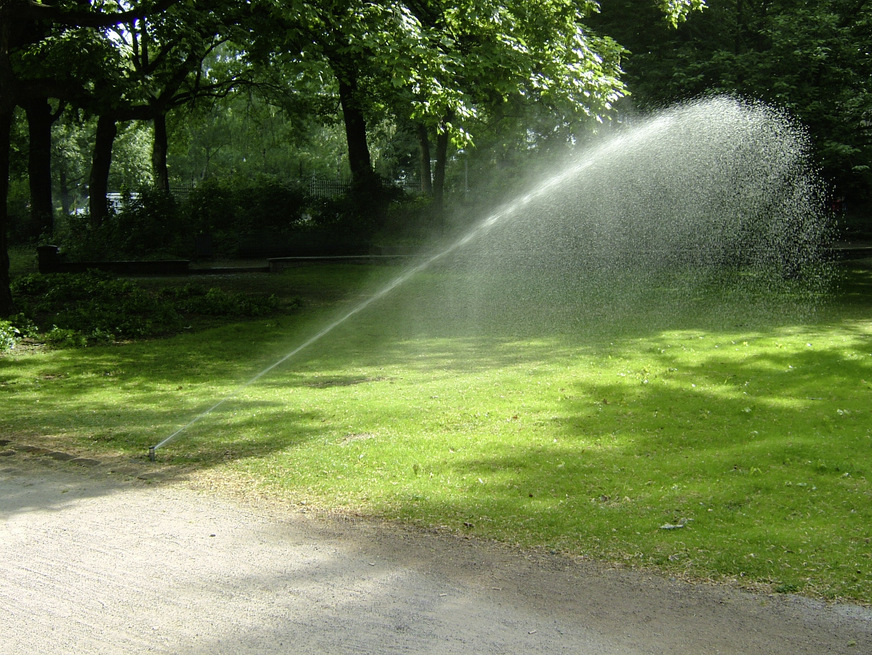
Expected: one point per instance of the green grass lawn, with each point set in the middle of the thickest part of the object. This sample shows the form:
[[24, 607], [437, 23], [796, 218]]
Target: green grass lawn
[[747, 424]]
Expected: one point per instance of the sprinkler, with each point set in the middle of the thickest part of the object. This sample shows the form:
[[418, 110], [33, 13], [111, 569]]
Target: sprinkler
[[753, 182]]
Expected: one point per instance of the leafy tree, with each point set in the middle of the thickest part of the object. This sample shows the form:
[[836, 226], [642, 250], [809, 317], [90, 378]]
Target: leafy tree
[[250, 135], [811, 58], [443, 65], [25, 28], [502, 59], [162, 65]]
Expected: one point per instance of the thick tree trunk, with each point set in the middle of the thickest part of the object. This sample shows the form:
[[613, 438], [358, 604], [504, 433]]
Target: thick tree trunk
[[442, 139], [98, 184], [426, 172], [439, 172], [159, 154], [359, 158], [64, 184], [39, 122], [6, 306]]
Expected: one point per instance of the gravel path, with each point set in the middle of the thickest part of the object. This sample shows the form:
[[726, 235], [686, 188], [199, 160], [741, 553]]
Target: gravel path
[[98, 560]]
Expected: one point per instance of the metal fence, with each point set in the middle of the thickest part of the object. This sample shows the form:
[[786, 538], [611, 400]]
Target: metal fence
[[323, 188], [317, 187]]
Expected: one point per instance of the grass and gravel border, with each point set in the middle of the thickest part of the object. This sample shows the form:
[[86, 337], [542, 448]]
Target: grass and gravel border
[[722, 449]]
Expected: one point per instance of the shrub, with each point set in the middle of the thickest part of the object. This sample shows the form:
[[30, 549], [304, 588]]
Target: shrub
[[147, 225], [9, 335], [150, 225], [94, 303], [65, 338], [228, 217], [349, 222], [197, 299], [94, 307], [233, 210]]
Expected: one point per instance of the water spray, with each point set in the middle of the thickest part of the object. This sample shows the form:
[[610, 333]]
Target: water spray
[[481, 228], [741, 180]]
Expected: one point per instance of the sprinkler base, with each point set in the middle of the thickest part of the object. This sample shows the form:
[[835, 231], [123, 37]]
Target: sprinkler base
[[151, 454]]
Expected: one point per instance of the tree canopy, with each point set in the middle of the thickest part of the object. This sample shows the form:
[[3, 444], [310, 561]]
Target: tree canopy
[[392, 90], [811, 58]]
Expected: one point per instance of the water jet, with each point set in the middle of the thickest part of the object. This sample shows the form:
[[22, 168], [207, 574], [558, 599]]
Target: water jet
[[652, 213]]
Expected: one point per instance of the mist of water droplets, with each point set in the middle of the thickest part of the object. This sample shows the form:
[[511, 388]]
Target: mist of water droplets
[[715, 198]]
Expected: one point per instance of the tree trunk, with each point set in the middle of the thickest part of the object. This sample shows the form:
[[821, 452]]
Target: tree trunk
[[426, 173], [159, 154], [442, 139], [39, 121], [64, 184], [98, 184], [439, 172], [355, 130], [6, 306]]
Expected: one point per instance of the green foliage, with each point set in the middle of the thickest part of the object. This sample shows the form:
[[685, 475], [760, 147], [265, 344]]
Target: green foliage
[[94, 301], [24, 326], [148, 222], [9, 335], [709, 441], [147, 225], [252, 217], [677, 11], [65, 338], [240, 206], [235, 216], [214, 301], [95, 308], [347, 223], [151, 224], [277, 133], [808, 57]]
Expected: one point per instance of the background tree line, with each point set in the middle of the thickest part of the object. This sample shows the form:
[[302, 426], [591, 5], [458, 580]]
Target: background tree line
[[220, 95]]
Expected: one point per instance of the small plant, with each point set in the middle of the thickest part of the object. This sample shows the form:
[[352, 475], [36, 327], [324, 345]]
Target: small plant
[[65, 338], [99, 308], [101, 337], [9, 335], [196, 299], [27, 329]]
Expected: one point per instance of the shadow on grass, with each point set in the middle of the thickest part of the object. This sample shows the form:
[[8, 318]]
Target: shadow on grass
[[647, 428], [760, 457]]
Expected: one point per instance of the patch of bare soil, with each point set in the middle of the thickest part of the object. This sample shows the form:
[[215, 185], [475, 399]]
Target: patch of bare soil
[[126, 557]]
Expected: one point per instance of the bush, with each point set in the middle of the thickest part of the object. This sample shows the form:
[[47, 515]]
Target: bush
[[348, 223], [95, 303], [197, 299], [148, 225], [94, 307], [260, 217], [9, 335], [233, 211], [65, 338]]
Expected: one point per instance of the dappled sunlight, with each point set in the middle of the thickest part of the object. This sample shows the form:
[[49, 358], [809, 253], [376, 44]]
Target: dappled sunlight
[[745, 430], [565, 441]]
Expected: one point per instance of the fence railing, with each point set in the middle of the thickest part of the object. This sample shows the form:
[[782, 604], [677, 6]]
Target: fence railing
[[317, 187], [323, 188]]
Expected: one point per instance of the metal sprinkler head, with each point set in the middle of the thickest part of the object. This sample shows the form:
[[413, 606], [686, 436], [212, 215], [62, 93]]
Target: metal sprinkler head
[[151, 454]]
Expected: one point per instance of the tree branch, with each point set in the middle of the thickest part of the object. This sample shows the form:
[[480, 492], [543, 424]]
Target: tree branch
[[81, 18]]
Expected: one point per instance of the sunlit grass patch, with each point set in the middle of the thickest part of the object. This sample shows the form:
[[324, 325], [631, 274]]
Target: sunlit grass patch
[[711, 446], [755, 449]]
